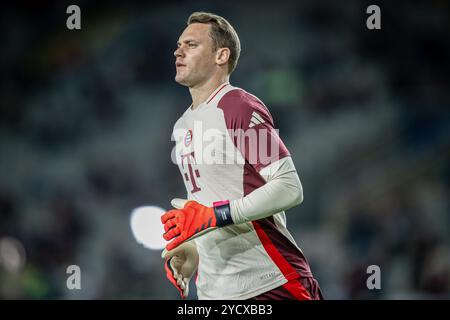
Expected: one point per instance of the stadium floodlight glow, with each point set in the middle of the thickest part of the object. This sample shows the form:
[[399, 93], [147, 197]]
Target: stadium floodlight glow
[[12, 254], [147, 227]]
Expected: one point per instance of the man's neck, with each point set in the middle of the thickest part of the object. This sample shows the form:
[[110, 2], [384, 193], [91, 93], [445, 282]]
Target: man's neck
[[201, 92]]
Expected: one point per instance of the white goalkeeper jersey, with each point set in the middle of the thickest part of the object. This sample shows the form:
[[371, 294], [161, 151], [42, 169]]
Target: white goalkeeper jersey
[[221, 147]]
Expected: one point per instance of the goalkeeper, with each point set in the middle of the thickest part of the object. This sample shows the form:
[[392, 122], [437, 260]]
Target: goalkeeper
[[239, 178]]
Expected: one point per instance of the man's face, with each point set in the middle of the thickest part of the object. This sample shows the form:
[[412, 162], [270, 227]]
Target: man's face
[[195, 59]]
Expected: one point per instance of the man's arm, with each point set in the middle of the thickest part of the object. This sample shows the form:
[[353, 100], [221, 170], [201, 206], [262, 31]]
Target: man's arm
[[282, 191]]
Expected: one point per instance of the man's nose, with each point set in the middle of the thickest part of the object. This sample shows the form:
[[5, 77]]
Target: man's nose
[[178, 52]]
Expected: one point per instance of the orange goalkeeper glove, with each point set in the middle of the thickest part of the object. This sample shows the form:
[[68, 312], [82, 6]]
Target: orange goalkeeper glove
[[191, 219]]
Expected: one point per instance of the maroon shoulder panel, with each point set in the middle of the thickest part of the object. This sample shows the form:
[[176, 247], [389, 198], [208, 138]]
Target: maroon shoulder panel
[[251, 128]]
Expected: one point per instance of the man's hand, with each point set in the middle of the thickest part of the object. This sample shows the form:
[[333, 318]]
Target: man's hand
[[190, 219], [180, 265]]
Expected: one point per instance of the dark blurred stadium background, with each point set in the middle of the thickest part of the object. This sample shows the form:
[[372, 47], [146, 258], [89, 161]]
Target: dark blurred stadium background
[[86, 118]]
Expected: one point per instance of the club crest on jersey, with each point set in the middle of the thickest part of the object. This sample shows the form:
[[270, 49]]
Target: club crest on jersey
[[188, 138]]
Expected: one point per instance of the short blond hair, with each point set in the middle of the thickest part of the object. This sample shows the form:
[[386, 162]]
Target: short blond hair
[[222, 33]]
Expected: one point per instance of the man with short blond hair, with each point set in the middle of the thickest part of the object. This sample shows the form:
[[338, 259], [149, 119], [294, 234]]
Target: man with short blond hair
[[222, 34], [232, 228]]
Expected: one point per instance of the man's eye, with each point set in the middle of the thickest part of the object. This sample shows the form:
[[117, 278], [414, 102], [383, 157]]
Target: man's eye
[[192, 45]]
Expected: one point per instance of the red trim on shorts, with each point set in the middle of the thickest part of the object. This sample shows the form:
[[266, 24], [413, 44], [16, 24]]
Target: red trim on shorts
[[296, 288], [285, 267]]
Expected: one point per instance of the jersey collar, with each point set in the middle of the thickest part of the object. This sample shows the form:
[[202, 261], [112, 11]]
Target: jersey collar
[[211, 96]]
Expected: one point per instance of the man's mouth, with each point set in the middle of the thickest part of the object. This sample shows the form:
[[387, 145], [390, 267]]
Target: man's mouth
[[179, 64]]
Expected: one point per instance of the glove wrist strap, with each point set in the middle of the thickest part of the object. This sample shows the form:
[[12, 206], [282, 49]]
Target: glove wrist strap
[[223, 213]]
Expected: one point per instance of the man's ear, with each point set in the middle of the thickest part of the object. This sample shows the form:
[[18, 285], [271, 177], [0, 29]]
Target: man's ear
[[222, 56]]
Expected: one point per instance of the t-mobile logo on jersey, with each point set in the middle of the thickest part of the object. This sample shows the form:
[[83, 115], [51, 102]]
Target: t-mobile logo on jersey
[[187, 160]]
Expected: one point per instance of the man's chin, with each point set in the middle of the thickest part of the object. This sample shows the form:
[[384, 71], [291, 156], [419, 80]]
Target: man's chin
[[181, 81]]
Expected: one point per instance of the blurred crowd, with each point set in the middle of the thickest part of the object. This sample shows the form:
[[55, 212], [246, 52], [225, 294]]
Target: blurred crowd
[[86, 119]]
